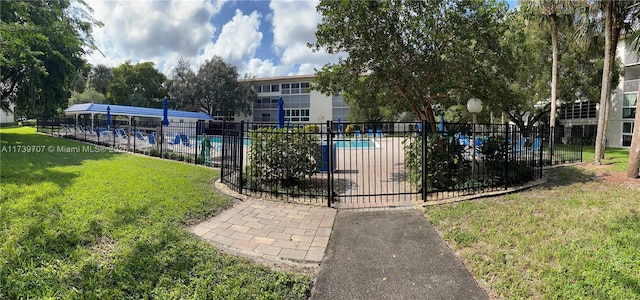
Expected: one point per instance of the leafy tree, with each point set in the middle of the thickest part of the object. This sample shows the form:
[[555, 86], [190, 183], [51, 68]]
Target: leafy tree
[[526, 100], [369, 103], [89, 95], [183, 86], [215, 89], [79, 82], [42, 45], [99, 78], [419, 50], [137, 85]]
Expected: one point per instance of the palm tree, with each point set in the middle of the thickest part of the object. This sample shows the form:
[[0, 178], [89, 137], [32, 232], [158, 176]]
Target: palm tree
[[633, 168], [619, 18], [552, 10], [99, 78]]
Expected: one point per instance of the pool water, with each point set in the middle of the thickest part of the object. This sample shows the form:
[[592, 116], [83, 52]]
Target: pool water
[[342, 144], [354, 144]]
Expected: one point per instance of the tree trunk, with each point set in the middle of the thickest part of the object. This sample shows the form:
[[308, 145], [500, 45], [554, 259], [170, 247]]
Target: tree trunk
[[634, 151], [554, 79], [606, 82]]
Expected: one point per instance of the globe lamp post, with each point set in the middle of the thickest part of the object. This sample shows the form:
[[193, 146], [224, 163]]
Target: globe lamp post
[[474, 106]]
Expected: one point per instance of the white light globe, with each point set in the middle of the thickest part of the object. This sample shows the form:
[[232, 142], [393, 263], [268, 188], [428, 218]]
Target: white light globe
[[474, 105]]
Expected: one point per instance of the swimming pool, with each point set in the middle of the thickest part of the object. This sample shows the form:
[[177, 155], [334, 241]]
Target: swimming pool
[[218, 140], [342, 144], [354, 143]]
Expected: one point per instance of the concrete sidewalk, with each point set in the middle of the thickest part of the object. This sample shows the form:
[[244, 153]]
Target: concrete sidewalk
[[391, 255]]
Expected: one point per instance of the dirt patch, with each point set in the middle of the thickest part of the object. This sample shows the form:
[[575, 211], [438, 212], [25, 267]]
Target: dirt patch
[[604, 173]]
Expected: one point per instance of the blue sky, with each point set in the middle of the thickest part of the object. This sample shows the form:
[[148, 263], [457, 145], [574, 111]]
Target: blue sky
[[262, 38]]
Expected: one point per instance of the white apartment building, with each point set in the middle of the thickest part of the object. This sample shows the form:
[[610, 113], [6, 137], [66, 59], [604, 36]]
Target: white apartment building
[[583, 115], [7, 117], [301, 105]]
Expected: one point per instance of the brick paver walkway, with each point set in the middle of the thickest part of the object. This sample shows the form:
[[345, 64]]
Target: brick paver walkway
[[278, 231]]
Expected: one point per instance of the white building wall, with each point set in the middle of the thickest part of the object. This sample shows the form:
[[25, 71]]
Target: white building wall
[[7, 117], [320, 106], [614, 133]]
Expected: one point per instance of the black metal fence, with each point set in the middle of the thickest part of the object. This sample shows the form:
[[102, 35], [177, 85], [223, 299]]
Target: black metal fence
[[190, 142], [345, 164]]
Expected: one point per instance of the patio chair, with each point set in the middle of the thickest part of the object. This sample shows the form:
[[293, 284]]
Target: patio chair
[[185, 140], [175, 141], [358, 135], [370, 133], [140, 136], [121, 133], [379, 133], [151, 139]]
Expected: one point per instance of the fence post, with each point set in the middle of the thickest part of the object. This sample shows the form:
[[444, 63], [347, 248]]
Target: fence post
[[329, 164], [424, 159], [540, 156], [241, 158], [195, 157], [222, 152], [506, 158]]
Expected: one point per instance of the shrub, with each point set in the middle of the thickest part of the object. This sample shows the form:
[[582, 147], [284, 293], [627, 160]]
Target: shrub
[[154, 152], [499, 171], [311, 128], [29, 122], [351, 129], [495, 150], [446, 167], [281, 155]]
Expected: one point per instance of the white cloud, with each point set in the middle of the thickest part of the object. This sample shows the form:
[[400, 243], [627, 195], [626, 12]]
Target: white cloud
[[238, 40], [144, 30], [294, 22], [162, 31], [259, 68]]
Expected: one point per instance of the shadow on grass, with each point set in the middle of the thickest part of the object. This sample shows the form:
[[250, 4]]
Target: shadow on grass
[[29, 159], [565, 176]]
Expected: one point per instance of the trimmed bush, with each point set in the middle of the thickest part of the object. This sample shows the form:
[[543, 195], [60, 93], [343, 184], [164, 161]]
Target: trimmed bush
[[283, 156]]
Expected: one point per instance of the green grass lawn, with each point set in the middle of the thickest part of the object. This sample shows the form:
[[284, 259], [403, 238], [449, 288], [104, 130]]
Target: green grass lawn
[[576, 237], [113, 225], [615, 157]]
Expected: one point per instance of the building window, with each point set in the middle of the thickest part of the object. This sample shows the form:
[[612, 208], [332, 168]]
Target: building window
[[295, 88], [578, 110], [297, 115], [627, 133], [304, 88], [286, 89], [629, 106], [266, 88], [275, 87]]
